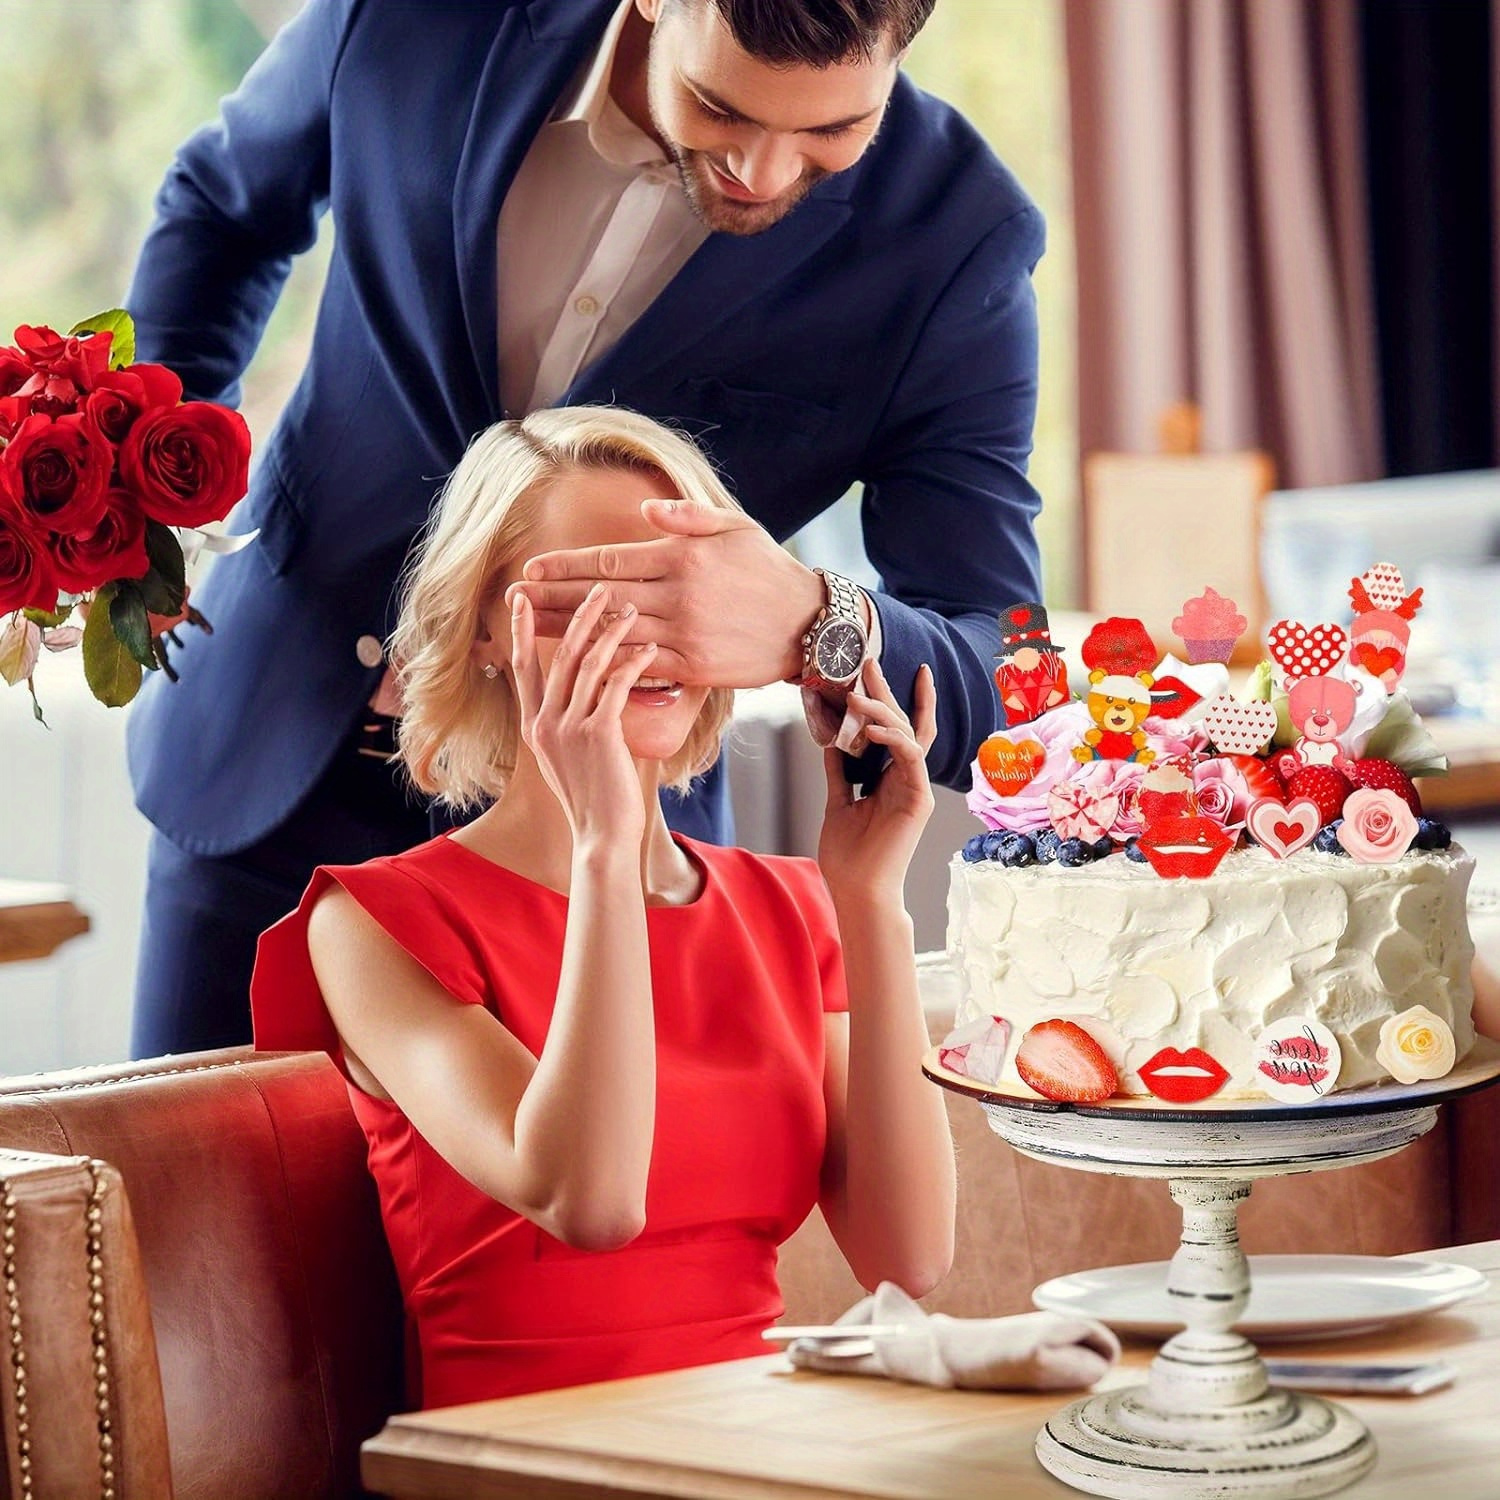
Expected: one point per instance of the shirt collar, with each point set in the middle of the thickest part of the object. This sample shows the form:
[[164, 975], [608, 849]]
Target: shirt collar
[[611, 132]]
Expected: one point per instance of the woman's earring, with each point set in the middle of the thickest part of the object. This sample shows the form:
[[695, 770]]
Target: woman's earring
[[490, 670]]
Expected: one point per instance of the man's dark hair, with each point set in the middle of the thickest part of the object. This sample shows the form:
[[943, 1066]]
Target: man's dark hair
[[820, 33]]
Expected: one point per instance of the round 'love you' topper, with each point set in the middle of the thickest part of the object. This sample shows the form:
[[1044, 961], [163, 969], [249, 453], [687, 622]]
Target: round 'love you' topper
[[1297, 1060]]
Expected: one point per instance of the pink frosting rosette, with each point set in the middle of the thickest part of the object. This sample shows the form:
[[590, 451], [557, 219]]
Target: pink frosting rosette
[[1378, 826], [1223, 794], [1057, 731]]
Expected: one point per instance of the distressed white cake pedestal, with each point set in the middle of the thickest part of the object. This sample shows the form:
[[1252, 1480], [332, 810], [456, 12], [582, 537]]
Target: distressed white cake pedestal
[[1208, 1424]]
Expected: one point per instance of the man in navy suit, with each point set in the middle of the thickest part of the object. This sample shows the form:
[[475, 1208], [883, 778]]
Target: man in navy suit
[[733, 215]]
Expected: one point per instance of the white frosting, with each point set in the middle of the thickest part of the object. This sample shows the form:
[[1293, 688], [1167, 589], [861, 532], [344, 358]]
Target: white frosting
[[1144, 963]]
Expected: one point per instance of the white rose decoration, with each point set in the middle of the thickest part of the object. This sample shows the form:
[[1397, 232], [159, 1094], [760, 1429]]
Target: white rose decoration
[[1416, 1045]]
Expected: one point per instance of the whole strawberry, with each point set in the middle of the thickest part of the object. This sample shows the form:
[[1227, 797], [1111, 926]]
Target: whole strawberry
[[1385, 776], [1325, 785]]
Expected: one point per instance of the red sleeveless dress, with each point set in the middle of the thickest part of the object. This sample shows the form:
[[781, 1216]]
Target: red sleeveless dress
[[741, 979]]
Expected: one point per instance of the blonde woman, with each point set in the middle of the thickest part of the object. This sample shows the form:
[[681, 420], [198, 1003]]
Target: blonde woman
[[605, 1070]]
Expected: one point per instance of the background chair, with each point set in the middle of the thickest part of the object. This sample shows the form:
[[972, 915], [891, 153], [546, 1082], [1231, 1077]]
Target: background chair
[[218, 1301]]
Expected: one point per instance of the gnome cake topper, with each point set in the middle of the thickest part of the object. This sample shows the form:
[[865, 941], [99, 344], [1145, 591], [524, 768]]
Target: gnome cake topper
[[1383, 612], [1030, 672]]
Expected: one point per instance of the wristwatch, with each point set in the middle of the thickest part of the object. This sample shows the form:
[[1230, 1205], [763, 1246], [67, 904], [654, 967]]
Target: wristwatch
[[834, 645]]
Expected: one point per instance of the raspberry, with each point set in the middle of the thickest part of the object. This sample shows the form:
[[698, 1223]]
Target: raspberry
[[1323, 785], [1386, 776]]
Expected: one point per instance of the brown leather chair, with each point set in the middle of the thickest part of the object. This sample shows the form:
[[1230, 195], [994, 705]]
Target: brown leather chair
[[231, 1330]]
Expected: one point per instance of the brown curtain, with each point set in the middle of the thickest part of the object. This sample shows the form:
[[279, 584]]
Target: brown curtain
[[1220, 221]]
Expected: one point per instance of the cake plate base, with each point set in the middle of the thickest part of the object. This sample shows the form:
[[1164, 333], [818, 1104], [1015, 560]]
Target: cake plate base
[[1208, 1424]]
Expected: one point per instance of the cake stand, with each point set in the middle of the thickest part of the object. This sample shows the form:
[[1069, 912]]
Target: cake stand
[[1208, 1423]]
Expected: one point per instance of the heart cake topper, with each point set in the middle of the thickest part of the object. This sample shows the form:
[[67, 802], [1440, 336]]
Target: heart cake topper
[[1283, 830], [1236, 728], [1306, 651], [1010, 765]]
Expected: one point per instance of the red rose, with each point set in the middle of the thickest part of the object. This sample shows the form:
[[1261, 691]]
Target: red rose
[[15, 371], [63, 466], [122, 396], [82, 359], [115, 548], [26, 577], [189, 465]]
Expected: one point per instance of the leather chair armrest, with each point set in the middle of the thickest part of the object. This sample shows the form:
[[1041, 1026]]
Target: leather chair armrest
[[80, 1393]]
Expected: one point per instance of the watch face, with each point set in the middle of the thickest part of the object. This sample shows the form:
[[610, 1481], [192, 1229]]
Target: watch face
[[838, 651]]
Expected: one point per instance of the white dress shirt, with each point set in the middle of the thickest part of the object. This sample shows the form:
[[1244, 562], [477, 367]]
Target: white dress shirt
[[593, 228]]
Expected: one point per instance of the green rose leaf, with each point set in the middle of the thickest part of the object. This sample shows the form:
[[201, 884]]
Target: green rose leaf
[[112, 673], [165, 585], [48, 618], [118, 322], [127, 617]]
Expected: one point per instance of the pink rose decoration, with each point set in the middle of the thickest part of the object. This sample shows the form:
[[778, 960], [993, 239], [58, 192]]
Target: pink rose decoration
[[1378, 826], [1223, 794], [1057, 731], [1171, 738]]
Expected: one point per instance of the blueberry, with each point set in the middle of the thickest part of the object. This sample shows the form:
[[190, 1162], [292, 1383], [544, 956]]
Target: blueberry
[[1103, 848], [1074, 852], [1326, 839], [973, 851], [1133, 851], [1047, 844], [990, 844], [1432, 834], [1018, 852]]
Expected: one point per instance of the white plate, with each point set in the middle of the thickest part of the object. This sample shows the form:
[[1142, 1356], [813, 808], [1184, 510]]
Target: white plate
[[1291, 1296]]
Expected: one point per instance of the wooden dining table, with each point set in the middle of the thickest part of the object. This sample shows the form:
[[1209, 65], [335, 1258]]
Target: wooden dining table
[[759, 1428], [35, 919]]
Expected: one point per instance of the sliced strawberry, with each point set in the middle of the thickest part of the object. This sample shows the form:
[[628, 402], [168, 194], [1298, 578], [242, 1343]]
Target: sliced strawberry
[[1261, 776], [1385, 776], [1321, 784], [1060, 1060]]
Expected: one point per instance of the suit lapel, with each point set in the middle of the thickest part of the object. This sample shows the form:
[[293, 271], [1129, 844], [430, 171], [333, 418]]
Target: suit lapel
[[726, 273], [535, 52]]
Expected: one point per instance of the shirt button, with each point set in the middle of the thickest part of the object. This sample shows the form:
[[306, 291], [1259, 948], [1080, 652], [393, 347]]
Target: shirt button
[[586, 306], [367, 649]]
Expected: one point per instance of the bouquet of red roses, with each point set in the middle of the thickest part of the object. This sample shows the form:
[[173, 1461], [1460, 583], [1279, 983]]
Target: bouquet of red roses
[[103, 469]]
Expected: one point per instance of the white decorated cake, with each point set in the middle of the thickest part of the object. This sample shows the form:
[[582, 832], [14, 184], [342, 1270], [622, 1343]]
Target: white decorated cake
[[1188, 896]]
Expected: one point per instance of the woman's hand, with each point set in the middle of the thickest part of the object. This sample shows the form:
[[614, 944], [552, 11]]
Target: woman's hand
[[570, 716], [867, 844]]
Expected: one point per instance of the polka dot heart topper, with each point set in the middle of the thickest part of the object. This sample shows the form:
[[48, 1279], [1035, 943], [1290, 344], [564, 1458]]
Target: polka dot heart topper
[[1306, 651]]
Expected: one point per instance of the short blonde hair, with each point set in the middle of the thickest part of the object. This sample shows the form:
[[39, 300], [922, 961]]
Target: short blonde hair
[[459, 731]]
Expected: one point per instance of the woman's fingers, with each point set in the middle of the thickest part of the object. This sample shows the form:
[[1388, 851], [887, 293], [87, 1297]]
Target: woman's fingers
[[525, 668], [599, 658], [629, 667], [925, 696], [572, 649]]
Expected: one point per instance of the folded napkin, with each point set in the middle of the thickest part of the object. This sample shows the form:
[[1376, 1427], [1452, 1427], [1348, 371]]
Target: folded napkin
[[1038, 1351]]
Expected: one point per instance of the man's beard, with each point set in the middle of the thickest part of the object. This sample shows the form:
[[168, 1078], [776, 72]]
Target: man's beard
[[724, 215]]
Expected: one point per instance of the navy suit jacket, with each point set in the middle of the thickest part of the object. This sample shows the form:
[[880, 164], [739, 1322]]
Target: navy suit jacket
[[884, 333]]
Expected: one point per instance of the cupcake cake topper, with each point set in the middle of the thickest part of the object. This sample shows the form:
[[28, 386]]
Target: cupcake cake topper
[[1209, 626]]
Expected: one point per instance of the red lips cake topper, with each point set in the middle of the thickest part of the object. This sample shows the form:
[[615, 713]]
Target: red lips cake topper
[[1183, 1077], [1185, 848]]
